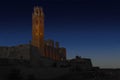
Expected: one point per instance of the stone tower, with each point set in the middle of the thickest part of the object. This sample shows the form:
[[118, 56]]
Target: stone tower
[[38, 30]]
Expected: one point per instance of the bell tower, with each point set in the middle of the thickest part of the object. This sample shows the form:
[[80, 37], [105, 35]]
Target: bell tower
[[38, 30]]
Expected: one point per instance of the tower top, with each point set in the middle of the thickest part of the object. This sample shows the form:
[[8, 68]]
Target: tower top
[[38, 10]]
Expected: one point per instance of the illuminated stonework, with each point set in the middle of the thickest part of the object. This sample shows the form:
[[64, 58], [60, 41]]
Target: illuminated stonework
[[38, 29], [45, 48]]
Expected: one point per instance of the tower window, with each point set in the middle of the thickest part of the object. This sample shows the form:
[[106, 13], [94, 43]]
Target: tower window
[[37, 11]]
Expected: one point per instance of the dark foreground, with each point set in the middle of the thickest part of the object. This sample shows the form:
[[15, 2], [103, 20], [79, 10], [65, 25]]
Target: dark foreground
[[88, 76], [15, 74]]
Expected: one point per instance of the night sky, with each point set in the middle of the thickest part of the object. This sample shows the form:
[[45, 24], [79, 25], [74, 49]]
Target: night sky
[[87, 28]]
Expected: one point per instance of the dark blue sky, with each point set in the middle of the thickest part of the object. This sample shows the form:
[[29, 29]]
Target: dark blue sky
[[88, 28]]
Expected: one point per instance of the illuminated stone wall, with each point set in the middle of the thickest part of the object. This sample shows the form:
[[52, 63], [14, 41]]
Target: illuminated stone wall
[[15, 52], [54, 52], [38, 29]]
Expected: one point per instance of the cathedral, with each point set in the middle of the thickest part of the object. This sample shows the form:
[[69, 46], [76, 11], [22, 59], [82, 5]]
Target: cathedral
[[38, 49], [40, 52]]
